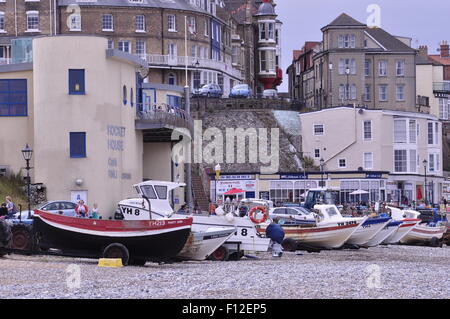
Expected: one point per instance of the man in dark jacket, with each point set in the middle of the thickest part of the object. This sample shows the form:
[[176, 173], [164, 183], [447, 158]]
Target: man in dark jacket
[[3, 210]]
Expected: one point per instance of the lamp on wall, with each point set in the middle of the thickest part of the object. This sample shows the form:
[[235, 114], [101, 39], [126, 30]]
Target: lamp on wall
[[79, 182]]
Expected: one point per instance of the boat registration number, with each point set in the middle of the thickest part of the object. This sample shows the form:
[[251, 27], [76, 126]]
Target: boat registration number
[[347, 223]]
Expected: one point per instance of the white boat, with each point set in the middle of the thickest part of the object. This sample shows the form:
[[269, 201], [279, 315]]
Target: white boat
[[156, 194], [368, 230], [200, 245], [407, 225], [423, 233], [331, 230], [387, 231]]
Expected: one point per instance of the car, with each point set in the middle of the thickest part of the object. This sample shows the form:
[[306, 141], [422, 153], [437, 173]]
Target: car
[[270, 94], [241, 91], [65, 208], [292, 216], [210, 90]]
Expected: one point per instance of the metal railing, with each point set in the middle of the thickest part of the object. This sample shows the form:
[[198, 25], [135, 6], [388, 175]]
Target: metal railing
[[163, 115], [192, 62], [441, 87], [4, 61]]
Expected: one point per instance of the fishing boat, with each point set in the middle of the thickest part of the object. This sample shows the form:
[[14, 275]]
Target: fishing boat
[[330, 231], [200, 245], [134, 241], [368, 230], [387, 231], [423, 233], [154, 202], [407, 225]]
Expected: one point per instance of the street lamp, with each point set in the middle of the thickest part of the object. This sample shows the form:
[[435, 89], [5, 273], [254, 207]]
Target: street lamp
[[217, 169], [321, 172], [425, 162], [347, 72], [27, 153]]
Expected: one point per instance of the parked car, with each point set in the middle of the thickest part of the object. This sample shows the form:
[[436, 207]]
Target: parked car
[[210, 90], [58, 207], [270, 94], [241, 91], [292, 216]]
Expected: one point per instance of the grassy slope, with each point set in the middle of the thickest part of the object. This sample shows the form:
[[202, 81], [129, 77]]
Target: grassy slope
[[12, 186]]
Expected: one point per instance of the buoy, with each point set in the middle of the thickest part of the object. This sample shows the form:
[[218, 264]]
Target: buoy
[[110, 262]]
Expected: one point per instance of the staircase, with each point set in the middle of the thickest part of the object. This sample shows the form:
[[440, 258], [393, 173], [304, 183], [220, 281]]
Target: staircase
[[199, 193]]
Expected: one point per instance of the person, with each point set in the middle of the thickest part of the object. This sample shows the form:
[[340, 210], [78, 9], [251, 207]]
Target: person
[[10, 207], [81, 209], [94, 212], [3, 210]]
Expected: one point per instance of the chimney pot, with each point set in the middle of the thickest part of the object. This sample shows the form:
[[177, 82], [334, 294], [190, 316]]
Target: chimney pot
[[445, 49]]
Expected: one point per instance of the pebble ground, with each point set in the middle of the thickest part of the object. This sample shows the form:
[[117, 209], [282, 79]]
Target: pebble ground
[[379, 272]]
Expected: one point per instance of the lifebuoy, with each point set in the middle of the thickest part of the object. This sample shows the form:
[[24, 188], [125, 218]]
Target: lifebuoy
[[253, 212]]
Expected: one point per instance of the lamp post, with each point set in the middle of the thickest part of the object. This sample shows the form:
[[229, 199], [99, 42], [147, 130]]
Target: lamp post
[[27, 153], [217, 170], [330, 89], [425, 162], [347, 93], [321, 172]]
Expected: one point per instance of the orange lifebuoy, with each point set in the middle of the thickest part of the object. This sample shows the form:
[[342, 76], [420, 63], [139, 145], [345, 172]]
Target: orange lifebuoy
[[253, 212]]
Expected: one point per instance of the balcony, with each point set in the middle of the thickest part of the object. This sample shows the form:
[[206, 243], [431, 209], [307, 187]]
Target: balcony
[[158, 60], [441, 88], [4, 61]]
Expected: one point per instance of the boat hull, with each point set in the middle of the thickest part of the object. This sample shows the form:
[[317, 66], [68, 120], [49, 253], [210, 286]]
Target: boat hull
[[369, 229], [387, 231], [423, 234], [202, 244], [406, 226], [149, 240]]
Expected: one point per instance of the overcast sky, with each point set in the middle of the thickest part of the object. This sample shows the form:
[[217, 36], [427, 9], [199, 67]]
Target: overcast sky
[[426, 22]]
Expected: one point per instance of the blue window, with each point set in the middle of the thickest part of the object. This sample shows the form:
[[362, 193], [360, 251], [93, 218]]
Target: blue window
[[174, 101], [13, 97], [77, 144], [76, 81]]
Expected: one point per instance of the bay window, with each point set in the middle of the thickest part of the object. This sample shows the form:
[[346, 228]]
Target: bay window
[[267, 60]]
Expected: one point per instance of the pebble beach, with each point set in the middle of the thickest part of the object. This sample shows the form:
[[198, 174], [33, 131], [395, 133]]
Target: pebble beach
[[393, 271]]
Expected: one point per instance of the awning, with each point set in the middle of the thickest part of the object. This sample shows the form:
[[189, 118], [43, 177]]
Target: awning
[[234, 191]]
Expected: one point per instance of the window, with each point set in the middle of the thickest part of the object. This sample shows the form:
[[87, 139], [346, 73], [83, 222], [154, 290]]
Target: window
[[383, 93], [2, 22], [172, 79], [107, 22], [412, 131], [367, 92], [77, 144], [171, 23], [76, 82], [353, 91], [161, 191], [400, 92], [444, 108], [32, 21], [367, 130], [347, 63], [193, 25], [367, 67], [400, 67], [382, 68], [140, 23], [206, 28], [412, 161], [124, 46], [400, 133], [174, 101], [267, 60], [197, 79], [140, 48], [124, 95], [318, 129], [431, 167], [346, 41], [172, 50], [342, 162], [343, 92], [317, 153], [110, 44], [436, 133], [13, 97], [368, 160], [430, 133], [75, 22], [400, 161]]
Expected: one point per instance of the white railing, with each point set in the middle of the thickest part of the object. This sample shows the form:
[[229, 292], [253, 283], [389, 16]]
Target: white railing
[[4, 61], [192, 62]]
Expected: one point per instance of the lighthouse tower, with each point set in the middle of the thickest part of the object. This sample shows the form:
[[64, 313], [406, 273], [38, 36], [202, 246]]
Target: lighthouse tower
[[269, 73]]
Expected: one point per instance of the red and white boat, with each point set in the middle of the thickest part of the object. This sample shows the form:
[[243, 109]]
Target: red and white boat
[[423, 233], [407, 225], [139, 241], [331, 230]]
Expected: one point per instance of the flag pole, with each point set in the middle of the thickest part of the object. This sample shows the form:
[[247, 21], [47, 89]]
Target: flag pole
[[185, 50]]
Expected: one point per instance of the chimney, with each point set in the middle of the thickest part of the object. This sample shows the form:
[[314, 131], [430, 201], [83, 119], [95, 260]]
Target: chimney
[[423, 50], [445, 50]]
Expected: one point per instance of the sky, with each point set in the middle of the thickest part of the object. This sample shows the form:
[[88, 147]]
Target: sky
[[426, 22]]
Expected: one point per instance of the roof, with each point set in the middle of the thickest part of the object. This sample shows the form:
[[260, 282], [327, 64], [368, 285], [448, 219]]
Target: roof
[[388, 41], [165, 4], [238, 8], [297, 53], [266, 9], [344, 20], [442, 60], [424, 60]]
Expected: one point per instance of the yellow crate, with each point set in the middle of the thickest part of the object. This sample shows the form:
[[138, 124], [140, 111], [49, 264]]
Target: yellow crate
[[110, 262]]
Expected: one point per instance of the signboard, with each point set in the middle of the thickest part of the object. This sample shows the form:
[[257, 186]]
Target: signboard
[[235, 177], [225, 186], [294, 176], [76, 196], [264, 195], [374, 175]]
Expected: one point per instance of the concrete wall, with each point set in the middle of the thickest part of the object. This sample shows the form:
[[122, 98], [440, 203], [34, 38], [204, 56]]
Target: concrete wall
[[107, 173], [426, 74]]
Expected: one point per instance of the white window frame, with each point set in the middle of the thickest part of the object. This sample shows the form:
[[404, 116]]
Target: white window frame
[[31, 14], [339, 163], [382, 68], [386, 87], [364, 130], [367, 92], [400, 67], [400, 94], [121, 43], [138, 24], [75, 22], [2, 18], [171, 23], [371, 160], [314, 129], [104, 22], [144, 48], [317, 153]]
